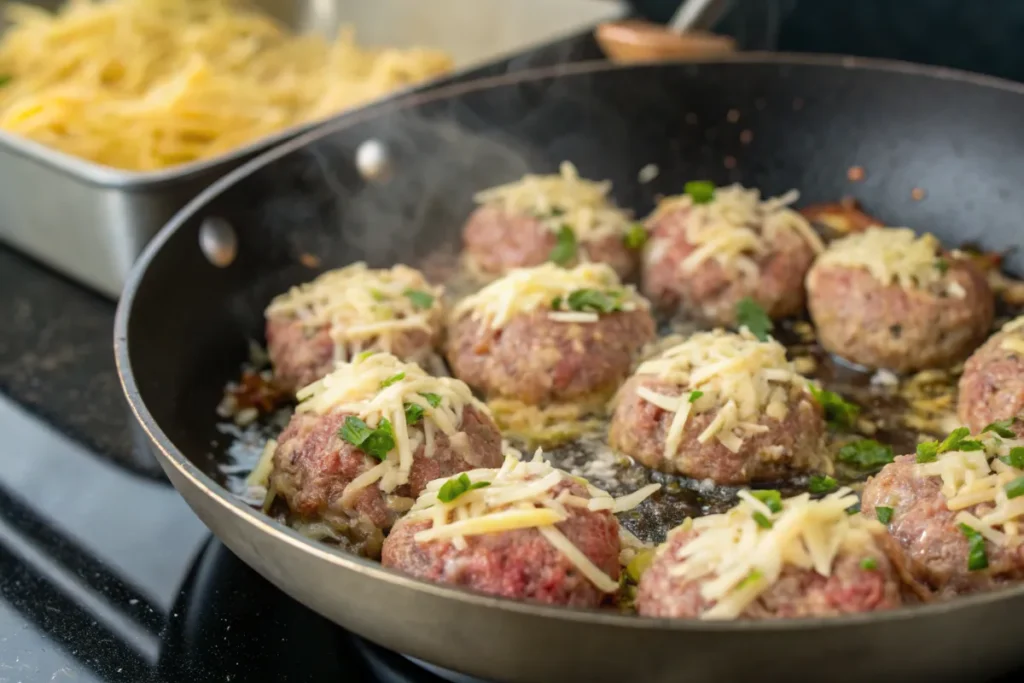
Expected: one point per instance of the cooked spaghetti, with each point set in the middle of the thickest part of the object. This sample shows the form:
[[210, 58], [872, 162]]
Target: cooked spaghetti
[[147, 84]]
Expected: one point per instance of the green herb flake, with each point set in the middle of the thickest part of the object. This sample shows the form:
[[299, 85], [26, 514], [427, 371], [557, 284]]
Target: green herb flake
[[364, 355], [378, 295], [839, 413], [753, 576], [456, 486], [700, 191], [636, 237], [751, 315], [556, 303], [433, 399], [869, 564], [594, 301], [564, 251], [956, 441], [866, 454], [1015, 458], [822, 484], [883, 514], [977, 558], [1001, 428], [420, 299], [414, 411], [770, 497], [374, 442], [927, 451], [762, 521], [942, 265], [853, 509], [1015, 488], [398, 377], [694, 395]]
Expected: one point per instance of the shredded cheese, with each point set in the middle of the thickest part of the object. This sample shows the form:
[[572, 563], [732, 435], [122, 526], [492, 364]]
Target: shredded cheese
[[1014, 325], [520, 495], [358, 389], [562, 200], [894, 256], [525, 290], [979, 477], [363, 308], [736, 228], [737, 560], [739, 376]]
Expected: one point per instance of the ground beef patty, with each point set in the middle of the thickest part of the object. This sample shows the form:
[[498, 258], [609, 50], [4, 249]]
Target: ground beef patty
[[851, 588], [936, 549], [537, 360], [640, 428], [313, 465], [773, 277], [992, 386], [311, 327], [895, 326], [496, 241], [519, 564]]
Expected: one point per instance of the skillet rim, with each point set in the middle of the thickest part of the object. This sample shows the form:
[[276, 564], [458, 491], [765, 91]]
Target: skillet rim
[[168, 453]]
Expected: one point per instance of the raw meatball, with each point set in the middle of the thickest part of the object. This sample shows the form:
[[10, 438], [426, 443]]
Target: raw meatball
[[345, 312], [313, 464], [520, 564], [992, 386], [705, 258], [519, 225], [538, 359], [863, 578], [781, 436], [886, 298], [928, 532]]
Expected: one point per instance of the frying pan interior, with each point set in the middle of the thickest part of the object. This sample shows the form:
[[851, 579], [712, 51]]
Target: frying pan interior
[[770, 122]]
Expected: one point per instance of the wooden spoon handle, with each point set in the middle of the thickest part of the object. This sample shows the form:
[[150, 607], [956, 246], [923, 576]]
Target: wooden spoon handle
[[634, 40]]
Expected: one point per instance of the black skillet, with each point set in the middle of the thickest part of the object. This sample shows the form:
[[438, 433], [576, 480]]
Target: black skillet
[[184, 318]]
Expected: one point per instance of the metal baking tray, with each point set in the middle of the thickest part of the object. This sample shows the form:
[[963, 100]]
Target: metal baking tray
[[90, 222]]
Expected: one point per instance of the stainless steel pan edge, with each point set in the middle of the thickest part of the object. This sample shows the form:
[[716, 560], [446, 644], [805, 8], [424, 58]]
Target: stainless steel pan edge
[[521, 642], [91, 222]]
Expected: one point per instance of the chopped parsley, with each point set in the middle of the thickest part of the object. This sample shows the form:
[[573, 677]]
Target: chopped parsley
[[364, 355], [593, 300], [977, 558], [957, 440], [456, 486], [694, 395], [636, 237], [865, 454], [754, 575], [564, 251], [853, 509], [762, 521], [398, 377], [883, 514], [770, 497], [942, 266], [839, 413], [700, 191], [378, 295], [374, 442], [420, 299], [1001, 428], [414, 411], [1015, 488], [869, 563], [822, 484], [1015, 458], [751, 315]]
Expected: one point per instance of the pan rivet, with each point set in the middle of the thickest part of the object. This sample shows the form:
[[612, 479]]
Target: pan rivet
[[218, 242], [372, 160]]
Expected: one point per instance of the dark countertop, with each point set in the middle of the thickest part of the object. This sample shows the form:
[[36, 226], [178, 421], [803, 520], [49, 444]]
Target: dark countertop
[[57, 361]]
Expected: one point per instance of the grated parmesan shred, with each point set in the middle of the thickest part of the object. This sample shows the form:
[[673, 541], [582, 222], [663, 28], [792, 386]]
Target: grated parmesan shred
[[1013, 340], [361, 307], [737, 227], [737, 560], [355, 388], [520, 495], [894, 256], [971, 478], [741, 378], [560, 200], [525, 290]]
